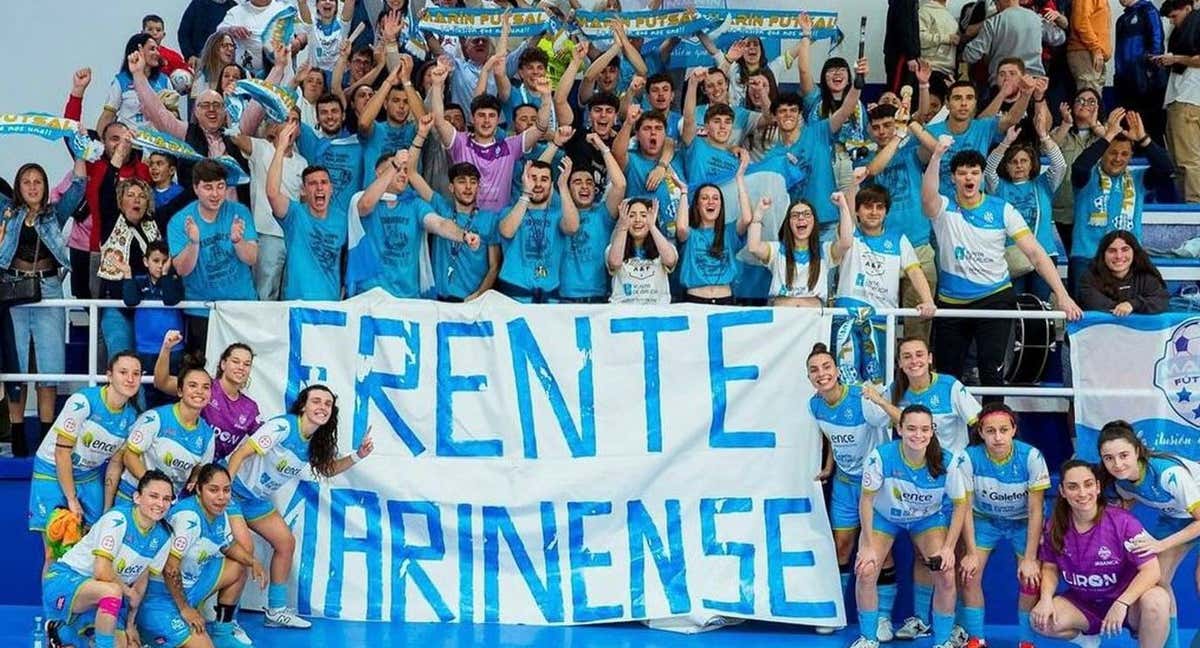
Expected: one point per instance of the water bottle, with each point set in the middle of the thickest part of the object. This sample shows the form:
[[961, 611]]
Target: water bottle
[[39, 633]]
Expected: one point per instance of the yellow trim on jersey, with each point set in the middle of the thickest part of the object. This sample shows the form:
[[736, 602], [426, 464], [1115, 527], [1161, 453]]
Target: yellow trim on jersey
[[910, 266], [1193, 507], [102, 553], [104, 399], [1012, 450], [1021, 233], [910, 464], [257, 448], [64, 434], [1041, 487], [176, 554], [960, 500]]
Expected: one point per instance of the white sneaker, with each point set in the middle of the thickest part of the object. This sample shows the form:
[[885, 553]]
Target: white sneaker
[[945, 644], [863, 642], [883, 631], [285, 618], [240, 636], [1086, 641], [959, 637], [913, 628], [825, 630]]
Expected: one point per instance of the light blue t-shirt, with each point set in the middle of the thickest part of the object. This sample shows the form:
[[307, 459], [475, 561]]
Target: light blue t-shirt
[[457, 269], [1001, 489], [533, 256], [342, 156], [706, 163], [1032, 199], [1097, 214], [398, 231], [313, 269], [219, 274], [902, 179], [584, 271], [743, 120], [812, 155], [699, 268], [854, 426], [852, 134], [978, 136], [387, 139]]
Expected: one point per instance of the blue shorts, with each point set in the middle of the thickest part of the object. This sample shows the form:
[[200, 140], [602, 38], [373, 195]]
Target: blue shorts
[[59, 586], [251, 508], [159, 621], [45, 495], [1167, 525], [989, 531], [843, 503], [914, 527]]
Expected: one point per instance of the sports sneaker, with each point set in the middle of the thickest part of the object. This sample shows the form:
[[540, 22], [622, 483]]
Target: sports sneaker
[[913, 628], [883, 631], [239, 635], [285, 618], [959, 637], [1086, 641], [863, 642], [52, 638], [222, 635], [825, 630], [1025, 644]]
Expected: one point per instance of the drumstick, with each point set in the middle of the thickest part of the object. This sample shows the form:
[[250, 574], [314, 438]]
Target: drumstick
[[859, 81], [357, 32]]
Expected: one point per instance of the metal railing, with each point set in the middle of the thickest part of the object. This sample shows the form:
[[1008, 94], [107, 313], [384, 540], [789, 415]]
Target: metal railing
[[94, 376]]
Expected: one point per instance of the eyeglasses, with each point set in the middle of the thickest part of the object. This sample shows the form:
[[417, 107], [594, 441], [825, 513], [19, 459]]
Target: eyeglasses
[[801, 215], [1086, 101], [210, 105]]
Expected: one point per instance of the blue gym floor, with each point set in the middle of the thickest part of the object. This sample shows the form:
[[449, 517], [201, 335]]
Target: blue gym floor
[[16, 624]]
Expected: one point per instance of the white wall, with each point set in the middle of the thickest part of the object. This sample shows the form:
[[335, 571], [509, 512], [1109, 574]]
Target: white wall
[[49, 39]]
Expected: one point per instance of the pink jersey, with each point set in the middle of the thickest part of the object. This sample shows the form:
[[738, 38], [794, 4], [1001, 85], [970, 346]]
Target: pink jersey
[[496, 163], [233, 419], [1099, 563]]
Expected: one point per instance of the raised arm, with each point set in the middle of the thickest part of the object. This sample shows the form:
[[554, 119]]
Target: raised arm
[[1020, 106], [415, 179], [631, 53], [541, 125], [374, 192], [615, 194], [152, 106], [569, 223], [931, 197], [754, 240], [803, 55], [280, 202], [991, 171], [562, 94], [747, 212], [687, 130], [445, 129], [845, 235], [850, 103], [512, 220]]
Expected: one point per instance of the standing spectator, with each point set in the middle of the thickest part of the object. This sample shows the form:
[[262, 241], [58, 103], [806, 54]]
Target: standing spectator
[[1138, 82], [901, 42], [32, 245], [218, 54], [1183, 93], [158, 283], [199, 22], [171, 60], [939, 37], [533, 234], [123, 104], [1089, 42], [1080, 127], [214, 245], [1014, 32], [246, 23]]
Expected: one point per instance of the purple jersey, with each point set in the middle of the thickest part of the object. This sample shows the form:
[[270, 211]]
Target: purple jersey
[[1098, 564], [233, 419]]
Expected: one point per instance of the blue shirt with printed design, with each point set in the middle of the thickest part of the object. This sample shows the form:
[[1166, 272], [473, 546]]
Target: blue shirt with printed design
[[533, 256], [457, 269], [397, 230], [584, 271], [700, 268], [219, 275], [313, 269]]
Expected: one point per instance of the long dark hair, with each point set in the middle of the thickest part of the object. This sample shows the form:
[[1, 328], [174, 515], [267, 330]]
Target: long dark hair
[[933, 451], [830, 104], [1060, 517], [228, 352], [717, 249], [323, 446], [151, 476], [901, 383], [772, 87], [18, 201], [135, 43], [649, 247], [789, 246], [1120, 430], [744, 72], [1141, 264]]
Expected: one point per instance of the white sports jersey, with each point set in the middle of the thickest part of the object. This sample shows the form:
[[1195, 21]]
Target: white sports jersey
[[280, 455], [954, 409], [117, 537], [1168, 485], [197, 539], [777, 264], [870, 272], [166, 444], [971, 244], [853, 425], [325, 42], [1001, 489], [907, 493], [96, 431]]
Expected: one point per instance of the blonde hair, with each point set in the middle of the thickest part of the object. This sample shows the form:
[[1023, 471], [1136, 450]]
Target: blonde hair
[[129, 183]]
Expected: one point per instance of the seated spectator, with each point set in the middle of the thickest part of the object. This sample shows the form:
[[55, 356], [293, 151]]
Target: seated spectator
[[1122, 279]]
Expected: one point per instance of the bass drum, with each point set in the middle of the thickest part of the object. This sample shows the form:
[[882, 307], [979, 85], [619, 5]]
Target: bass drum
[[1033, 340]]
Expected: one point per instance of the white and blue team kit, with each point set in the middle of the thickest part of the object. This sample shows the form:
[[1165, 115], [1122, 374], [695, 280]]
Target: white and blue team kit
[[1000, 492], [954, 409], [1169, 485], [165, 443], [907, 496], [115, 536], [280, 456], [854, 426], [198, 542], [97, 432], [971, 262]]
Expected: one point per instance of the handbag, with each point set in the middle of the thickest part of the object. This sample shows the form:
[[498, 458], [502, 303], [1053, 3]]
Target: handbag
[[18, 290]]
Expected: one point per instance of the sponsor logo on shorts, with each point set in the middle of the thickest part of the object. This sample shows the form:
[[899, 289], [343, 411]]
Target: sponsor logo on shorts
[[60, 603]]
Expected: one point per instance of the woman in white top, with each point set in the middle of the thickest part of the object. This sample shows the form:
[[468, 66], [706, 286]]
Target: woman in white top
[[798, 262], [639, 256]]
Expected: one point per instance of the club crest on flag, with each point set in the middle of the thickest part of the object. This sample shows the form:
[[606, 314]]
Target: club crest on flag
[[1177, 371]]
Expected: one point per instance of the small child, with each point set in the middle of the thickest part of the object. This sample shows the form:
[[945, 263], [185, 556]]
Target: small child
[[167, 190], [172, 60], [150, 325]]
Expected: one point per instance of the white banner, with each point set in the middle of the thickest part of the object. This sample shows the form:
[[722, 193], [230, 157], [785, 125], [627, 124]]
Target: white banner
[[553, 464], [1144, 369]]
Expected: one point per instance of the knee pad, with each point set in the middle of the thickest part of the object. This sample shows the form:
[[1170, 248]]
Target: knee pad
[[887, 576], [109, 605]]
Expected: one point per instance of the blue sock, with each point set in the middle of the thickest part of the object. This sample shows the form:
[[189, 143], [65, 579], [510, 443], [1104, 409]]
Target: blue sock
[[1173, 633], [277, 595], [1024, 630], [847, 584], [868, 624], [973, 621], [923, 601], [104, 641], [942, 625], [887, 592]]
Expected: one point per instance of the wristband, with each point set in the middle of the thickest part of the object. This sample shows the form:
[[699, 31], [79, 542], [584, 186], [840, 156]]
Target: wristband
[[354, 458], [523, 199]]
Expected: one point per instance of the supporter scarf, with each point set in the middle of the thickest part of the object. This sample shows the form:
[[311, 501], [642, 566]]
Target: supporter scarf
[[153, 141], [52, 128], [857, 356], [276, 101], [279, 30], [463, 21], [115, 250], [662, 23], [1123, 220], [773, 24]]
